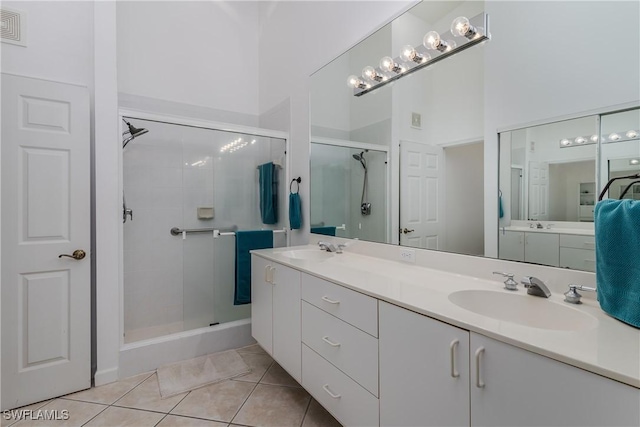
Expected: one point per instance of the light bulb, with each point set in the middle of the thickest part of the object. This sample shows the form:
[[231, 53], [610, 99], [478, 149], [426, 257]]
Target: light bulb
[[461, 27], [355, 82], [632, 134], [370, 73], [388, 64], [565, 142], [594, 138], [634, 161], [450, 45], [614, 137], [580, 140], [432, 40]]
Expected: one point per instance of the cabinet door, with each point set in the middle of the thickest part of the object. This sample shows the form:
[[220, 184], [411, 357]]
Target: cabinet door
[[542, 248], [424, 370], [525, 389], [287, 339], [511, 245], [261, 303]]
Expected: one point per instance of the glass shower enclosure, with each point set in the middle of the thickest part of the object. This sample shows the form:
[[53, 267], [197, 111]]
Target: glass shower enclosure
[[191, 180]]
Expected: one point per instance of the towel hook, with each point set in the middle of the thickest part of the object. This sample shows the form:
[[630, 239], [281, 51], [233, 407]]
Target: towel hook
[[297, 180]]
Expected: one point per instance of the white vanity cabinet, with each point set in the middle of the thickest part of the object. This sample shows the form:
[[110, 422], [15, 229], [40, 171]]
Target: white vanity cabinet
[[534, 247], [514, 387], [275, 312], [424, 370]]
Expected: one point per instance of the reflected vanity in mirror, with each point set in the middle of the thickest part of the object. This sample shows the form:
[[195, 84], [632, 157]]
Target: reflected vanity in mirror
[[431, 125], [549, 187]]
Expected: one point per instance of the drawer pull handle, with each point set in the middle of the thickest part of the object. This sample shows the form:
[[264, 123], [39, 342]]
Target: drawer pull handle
[[331, 343], [330, 301], [326, 388], [271, 271], [479, 382], [266, 273], [452, 349]]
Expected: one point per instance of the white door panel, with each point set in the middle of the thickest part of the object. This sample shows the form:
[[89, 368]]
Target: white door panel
[[46, 317], [421, 192]]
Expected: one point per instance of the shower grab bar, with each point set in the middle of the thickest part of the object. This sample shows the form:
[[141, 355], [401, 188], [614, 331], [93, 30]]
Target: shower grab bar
[[176, 231], [218, 233]]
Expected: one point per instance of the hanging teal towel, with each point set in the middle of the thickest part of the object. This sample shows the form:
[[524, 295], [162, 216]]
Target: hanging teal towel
[[500, 210], [327, 231], [295, 211], [268, 193], [617, 235], [245, 242]]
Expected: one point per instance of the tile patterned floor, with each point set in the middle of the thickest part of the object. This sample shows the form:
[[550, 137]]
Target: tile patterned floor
[[267, 397]]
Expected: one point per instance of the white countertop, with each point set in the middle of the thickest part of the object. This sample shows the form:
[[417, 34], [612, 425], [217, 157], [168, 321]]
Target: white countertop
[[610, 348], [573, 231]]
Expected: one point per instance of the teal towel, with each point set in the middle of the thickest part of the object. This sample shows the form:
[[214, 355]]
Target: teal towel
[[617, 233], [268, 193], [500, 210], [295, 211], [327, 231], [245, 242]]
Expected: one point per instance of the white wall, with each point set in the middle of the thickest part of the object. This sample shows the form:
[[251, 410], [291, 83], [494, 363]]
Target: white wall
[[540, 64], [305, 36], [464, 199], [193, 53]]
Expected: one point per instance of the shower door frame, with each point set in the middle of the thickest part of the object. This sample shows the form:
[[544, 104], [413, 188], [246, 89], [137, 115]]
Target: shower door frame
[[363, 146], [190, 122]]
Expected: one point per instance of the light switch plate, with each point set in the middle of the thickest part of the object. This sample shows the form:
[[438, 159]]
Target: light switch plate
[[416, 120]]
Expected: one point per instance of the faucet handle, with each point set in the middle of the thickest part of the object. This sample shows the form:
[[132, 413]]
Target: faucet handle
[[509, 283], [340, 248], [573, 297]]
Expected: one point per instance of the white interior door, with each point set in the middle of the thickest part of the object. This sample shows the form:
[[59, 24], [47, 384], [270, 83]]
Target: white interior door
[[46, 333], [538, 191], [421, 195]]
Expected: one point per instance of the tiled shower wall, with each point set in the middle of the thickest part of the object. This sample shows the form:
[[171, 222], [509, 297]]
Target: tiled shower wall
[[171, 284]]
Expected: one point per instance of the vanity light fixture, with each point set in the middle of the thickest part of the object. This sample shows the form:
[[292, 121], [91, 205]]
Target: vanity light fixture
[[634, 162], [578, 141], [621, 136], [593, 139], [465, 33], [632, 134], [565, 142], [614, 137]]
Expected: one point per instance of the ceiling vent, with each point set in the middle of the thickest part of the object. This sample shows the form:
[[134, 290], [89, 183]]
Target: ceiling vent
[[13, 26]]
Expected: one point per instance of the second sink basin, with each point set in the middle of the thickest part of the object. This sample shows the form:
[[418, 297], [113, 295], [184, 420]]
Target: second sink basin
[[524, 310], [308, 254]]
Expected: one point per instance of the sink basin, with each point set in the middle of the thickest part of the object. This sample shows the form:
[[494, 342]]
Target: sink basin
[[524, 309], [308, 254]]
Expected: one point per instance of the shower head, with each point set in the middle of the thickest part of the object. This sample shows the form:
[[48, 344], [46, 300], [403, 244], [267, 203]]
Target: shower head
[[133, 132], [361, 159]]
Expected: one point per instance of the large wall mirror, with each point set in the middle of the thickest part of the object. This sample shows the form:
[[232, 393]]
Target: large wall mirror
[[431, 126]]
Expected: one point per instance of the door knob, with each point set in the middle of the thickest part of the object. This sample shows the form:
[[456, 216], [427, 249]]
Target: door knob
[[77, 254], [406, 230]]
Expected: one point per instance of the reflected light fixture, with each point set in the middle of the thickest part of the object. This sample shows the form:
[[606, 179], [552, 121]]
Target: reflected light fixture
[[634, 161], [464, 33], [593, 139], [632, 134]]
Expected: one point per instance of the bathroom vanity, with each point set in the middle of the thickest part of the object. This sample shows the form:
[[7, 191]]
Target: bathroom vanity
[[380, 342]]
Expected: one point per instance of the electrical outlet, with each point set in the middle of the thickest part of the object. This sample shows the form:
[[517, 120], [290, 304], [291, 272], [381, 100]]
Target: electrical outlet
[[416, 120], [408, 255]]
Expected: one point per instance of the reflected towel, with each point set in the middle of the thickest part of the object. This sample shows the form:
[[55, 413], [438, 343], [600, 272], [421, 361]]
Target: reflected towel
[[617, 233], [268, 193], [295, 211], [245, 242], [327, 231], [500, 210]]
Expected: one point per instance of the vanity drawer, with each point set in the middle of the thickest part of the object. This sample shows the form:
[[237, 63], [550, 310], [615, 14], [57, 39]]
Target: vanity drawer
[[353, 307], [348, 348], [578, 242], [351, 404], [578, 259]]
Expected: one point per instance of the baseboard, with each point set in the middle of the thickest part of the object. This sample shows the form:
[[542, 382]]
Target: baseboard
[[106, 376]]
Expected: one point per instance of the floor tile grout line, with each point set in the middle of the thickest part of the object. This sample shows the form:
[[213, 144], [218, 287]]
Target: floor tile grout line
[[176, 405], [306, 410], [134, 387], [161, 419], [100, 412], [252, 390]]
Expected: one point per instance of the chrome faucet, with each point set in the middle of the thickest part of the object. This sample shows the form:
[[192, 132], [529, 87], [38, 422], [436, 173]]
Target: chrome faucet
[[509, 283], [325, 246], [536, 287]]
